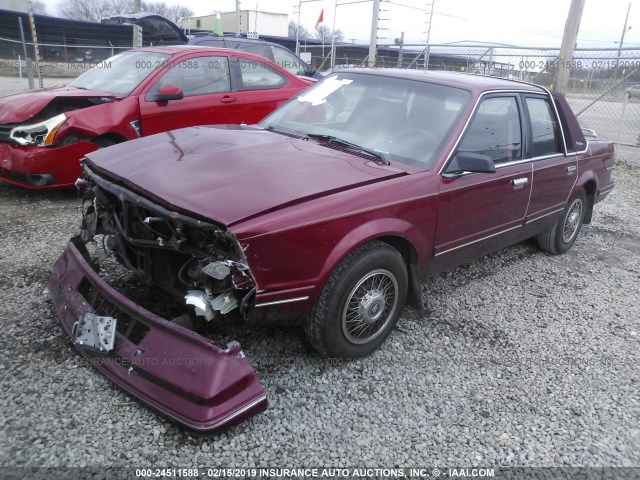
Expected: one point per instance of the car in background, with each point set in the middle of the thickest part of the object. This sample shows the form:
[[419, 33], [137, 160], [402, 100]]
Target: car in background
[[44, 133], [634, 91], [158, 30], [282, 56], [330, 217]]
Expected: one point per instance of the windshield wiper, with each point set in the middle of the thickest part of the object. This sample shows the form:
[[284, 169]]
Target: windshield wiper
[[270, 128], [332, 139]]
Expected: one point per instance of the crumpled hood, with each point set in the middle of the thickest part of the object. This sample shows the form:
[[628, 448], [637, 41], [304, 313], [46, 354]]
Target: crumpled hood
[[20, 107], [229, 173]]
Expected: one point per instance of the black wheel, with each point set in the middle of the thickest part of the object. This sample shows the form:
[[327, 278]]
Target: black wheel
[[360, 303], [561, 236]]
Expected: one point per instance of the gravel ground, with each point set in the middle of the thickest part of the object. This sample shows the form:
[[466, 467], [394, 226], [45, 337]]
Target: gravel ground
[[522, 359]]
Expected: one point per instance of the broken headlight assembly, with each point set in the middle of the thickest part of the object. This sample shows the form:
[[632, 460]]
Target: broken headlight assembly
[[199, 263], [40, 134]]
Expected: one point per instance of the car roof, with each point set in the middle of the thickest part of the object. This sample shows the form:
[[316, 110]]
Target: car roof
[[208, 37], [173, 49], [466, 81], [177, 49]]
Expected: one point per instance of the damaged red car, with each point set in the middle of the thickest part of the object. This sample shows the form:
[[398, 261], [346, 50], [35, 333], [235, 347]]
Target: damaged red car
[[44, 133], [329, 213]]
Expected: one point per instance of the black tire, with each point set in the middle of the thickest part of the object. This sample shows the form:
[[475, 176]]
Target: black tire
[[561, 236], [360, 303], [103, 142]]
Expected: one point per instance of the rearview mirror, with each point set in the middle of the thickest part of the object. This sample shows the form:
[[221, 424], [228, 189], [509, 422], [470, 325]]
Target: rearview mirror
[[166, 93], [471, 162]]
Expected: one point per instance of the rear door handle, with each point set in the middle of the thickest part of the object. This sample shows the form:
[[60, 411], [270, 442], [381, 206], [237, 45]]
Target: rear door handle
[[519, 182], [228, 99], [571, 169]]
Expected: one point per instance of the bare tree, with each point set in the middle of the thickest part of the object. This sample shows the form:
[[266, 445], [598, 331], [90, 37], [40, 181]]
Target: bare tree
[[177, 12], [302, 32], [96, 10], [39, 7], [323, 33], [161, 8], [92, 10]]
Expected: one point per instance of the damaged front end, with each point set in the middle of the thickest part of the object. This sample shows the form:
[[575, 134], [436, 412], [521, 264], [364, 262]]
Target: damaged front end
[[183, 374], [198, 261]]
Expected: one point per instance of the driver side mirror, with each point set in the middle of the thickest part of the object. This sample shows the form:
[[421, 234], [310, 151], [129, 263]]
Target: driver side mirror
[[166, 93], [470, 162]]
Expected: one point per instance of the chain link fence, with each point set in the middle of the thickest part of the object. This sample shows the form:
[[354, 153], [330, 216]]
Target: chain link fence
[[600, 90], [66, 48], [601, 83]]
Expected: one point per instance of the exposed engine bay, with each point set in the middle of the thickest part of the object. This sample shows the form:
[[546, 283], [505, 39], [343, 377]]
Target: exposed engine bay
[[199, 263]]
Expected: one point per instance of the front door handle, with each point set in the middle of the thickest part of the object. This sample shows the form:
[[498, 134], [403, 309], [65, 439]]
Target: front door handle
[[519, 182], [228, 99]]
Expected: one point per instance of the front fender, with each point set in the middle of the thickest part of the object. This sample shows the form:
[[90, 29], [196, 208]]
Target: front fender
[[298, 262], [114, 117], [372, 230]]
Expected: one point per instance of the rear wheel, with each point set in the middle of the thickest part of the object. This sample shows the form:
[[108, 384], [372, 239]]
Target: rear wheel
[[360, 303], [561, 236]]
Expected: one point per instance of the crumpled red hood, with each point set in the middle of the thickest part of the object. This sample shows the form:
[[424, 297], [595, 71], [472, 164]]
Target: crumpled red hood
[[229, 173], [20, 107]]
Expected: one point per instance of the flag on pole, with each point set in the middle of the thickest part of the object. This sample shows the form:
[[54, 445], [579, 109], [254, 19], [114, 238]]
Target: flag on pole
[[320, 18]]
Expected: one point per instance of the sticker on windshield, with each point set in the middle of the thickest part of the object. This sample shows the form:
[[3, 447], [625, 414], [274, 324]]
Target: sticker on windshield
[[319, 94]]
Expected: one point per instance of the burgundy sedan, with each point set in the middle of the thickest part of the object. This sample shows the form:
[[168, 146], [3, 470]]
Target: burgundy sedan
[[44, 133], [329, 213]]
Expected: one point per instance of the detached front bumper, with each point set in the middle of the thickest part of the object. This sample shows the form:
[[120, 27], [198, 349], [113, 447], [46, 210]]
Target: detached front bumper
[[184, 375], [42, 167]]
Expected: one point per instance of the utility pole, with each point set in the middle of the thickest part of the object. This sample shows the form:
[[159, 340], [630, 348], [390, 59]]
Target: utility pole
[[333, 35], [137, 30], [298, 29], [26, 57], [237, 18], [373, 40], [400, 41], [569, 39], [36, 49], [624, 31]]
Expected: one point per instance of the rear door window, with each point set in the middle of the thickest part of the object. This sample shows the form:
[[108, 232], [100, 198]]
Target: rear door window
[[288, 61], [544, 127], [255, 75]]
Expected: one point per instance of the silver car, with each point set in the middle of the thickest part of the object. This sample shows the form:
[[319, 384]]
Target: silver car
[[634, 91]]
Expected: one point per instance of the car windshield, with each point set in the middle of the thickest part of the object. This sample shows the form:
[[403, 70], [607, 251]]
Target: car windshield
[[121, 74], [398, 119]]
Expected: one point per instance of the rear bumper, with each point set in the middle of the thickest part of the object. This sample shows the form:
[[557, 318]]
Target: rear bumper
[[180, 373], [24, 166]]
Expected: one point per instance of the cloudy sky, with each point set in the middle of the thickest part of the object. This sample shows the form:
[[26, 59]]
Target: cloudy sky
[[539, 22]]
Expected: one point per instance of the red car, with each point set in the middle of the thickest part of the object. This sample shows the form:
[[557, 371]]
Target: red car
[[44, 133], [330, 212]]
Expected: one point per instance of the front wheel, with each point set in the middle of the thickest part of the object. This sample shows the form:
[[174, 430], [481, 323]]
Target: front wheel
[[360, 303], [561, 236]]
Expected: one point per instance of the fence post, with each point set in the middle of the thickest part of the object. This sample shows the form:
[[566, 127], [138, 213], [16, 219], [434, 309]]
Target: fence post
[[26, 57], [624, 109]]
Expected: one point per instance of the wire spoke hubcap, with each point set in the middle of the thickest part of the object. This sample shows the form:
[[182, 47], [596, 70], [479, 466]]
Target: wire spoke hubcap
[[370, 306], [572, 221]]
